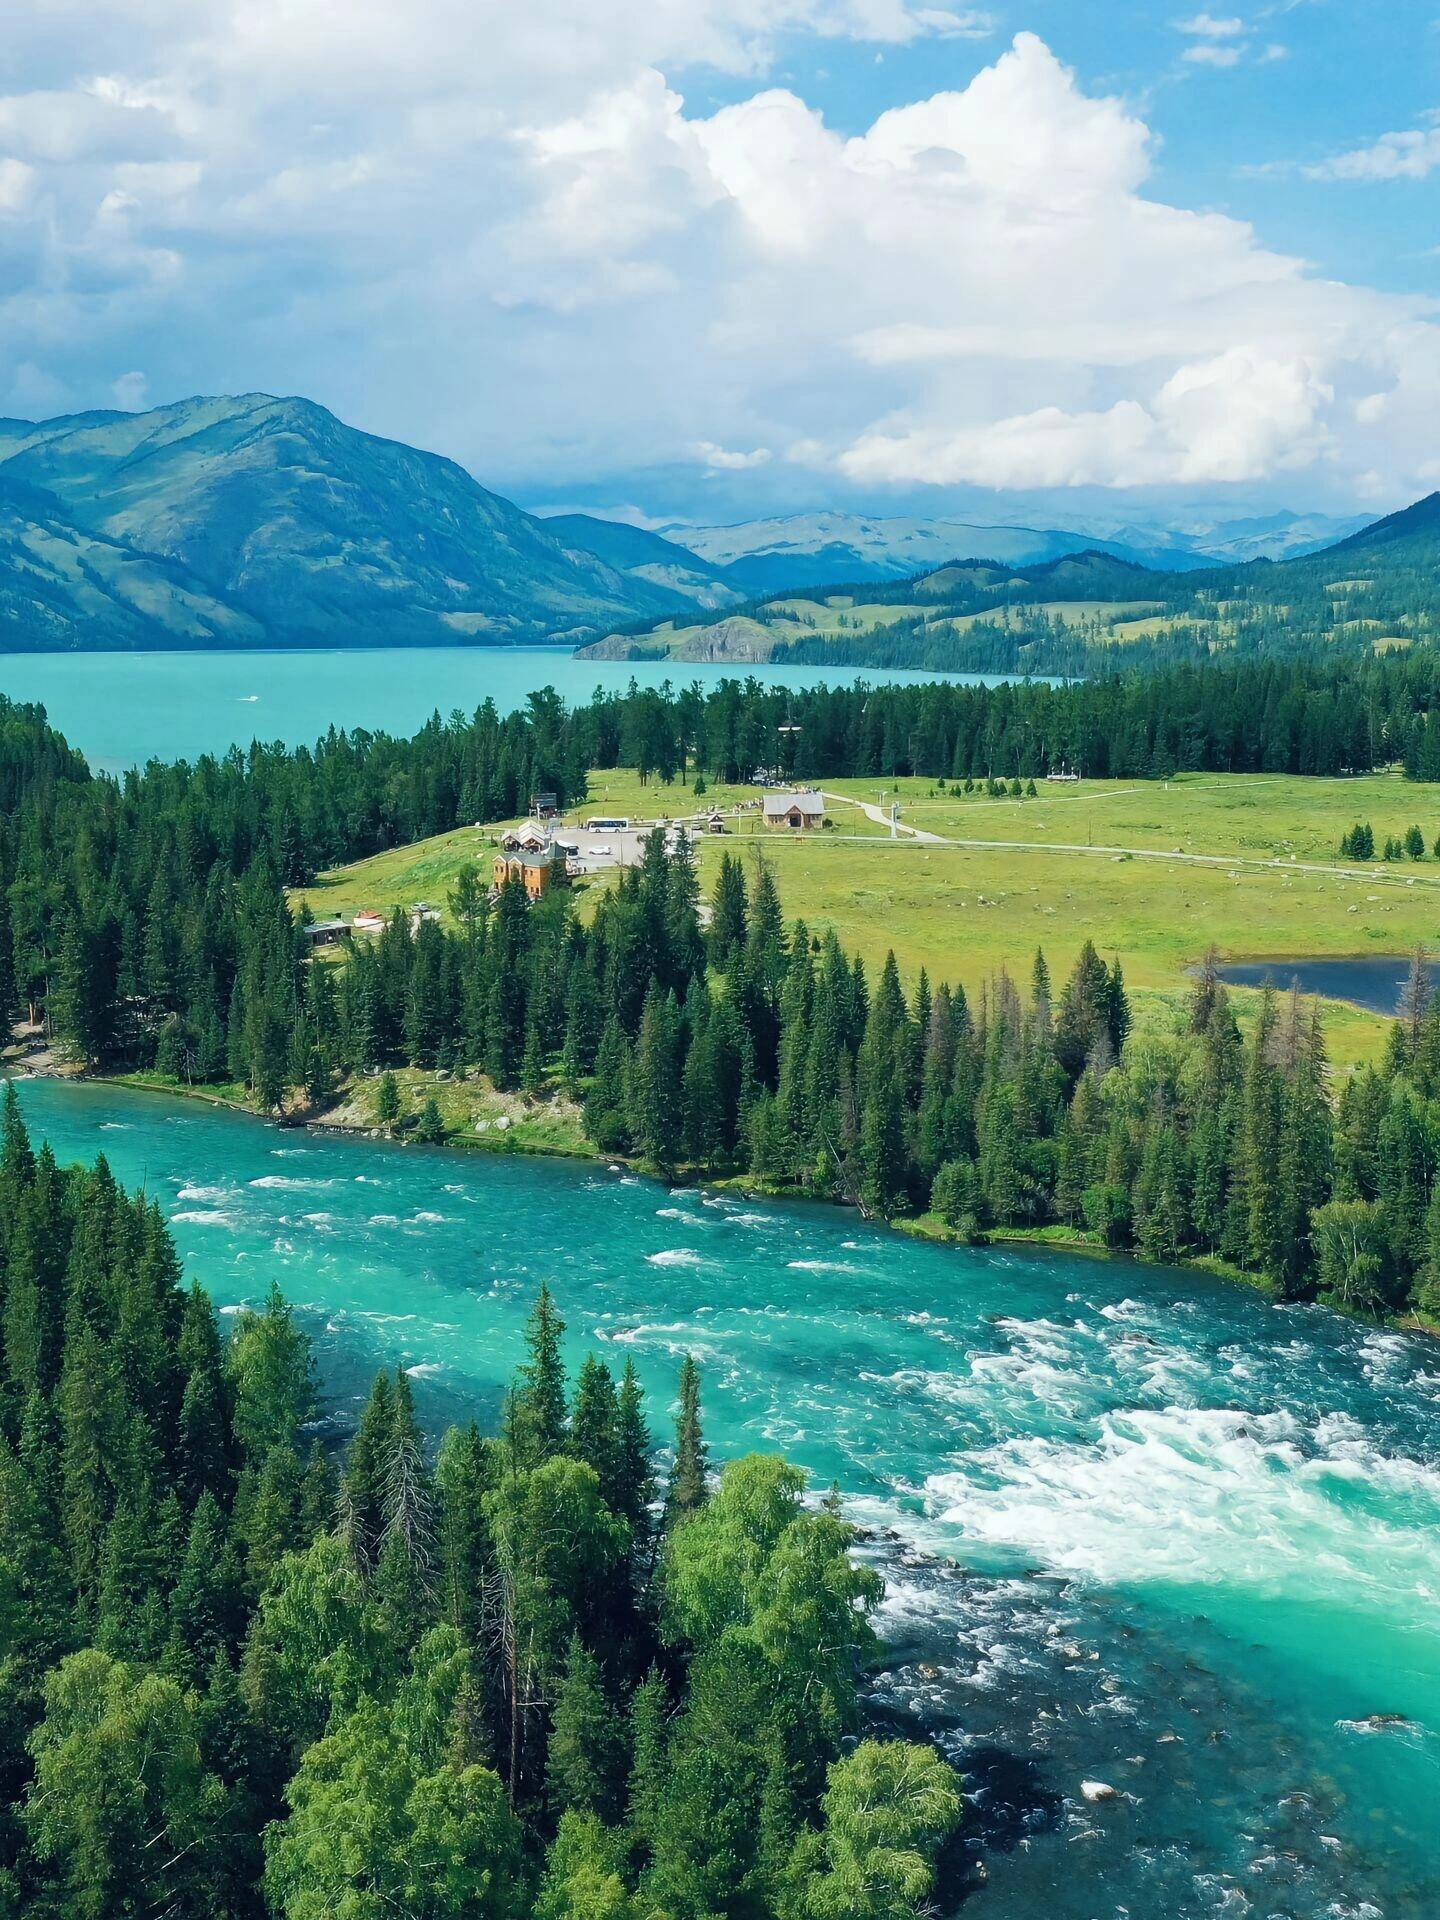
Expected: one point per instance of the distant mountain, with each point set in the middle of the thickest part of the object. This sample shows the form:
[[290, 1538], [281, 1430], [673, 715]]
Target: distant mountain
[[1089, 611], [260, 521], [648, 557], [1275, 536], [846, 549], [838, 549]]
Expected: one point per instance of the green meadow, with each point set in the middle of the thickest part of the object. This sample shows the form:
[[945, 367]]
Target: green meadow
[[1154, 872]]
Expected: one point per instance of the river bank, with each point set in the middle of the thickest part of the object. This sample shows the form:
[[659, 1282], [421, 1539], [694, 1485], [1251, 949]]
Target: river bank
[[1135, 1507], [514, 1126]]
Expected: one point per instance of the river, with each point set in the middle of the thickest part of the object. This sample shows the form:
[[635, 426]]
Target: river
[[123, 709], [1138, 1527]]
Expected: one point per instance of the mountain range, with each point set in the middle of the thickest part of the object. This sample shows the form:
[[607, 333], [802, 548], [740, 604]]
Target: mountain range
[[1377, 590], [254, 521]]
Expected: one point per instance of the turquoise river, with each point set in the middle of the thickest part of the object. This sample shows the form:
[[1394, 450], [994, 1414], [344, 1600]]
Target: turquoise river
[[1139, 1529]]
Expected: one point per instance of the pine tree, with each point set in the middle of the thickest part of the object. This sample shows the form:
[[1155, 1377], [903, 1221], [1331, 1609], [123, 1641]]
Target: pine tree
[[535, 1412], [634, 1479], [586, 1758], [687, 1491], [882, 1149], [657, 1109], [387, 1101], [729, 920], [649, 1765], [594, 1427]]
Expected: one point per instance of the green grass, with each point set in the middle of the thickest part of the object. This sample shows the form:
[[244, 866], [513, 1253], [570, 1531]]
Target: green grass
[[400, 877], [964, 913], [551, 1125]]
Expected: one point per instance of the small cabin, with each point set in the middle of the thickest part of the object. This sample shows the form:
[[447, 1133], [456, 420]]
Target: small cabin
[[715, 822], [544, 806], [537, 872], [325, 933], [794, 812]]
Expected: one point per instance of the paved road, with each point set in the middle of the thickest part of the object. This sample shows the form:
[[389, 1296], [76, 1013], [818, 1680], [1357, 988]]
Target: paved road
[[1392, 874], [881, 818]]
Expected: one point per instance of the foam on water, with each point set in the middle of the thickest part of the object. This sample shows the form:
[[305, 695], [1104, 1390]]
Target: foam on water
[[1206, 1497]]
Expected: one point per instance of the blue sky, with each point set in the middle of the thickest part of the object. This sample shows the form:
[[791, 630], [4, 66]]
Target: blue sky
[[713, 258], [1350, 73]]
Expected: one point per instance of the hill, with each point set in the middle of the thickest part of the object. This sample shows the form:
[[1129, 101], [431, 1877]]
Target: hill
[[62, 588], [256, 521], [646, 556], [1083, 612]]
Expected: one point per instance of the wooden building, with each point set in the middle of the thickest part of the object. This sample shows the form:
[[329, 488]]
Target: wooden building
[[794, 812], [325, 933], [537, 870]]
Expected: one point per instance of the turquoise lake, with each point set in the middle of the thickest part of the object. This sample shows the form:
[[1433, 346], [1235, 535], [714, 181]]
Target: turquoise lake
[[1137, 1527], [123, 709]]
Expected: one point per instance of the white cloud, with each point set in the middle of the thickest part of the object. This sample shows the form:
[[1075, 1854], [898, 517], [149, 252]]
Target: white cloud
[[1239, 417], [503, 233], [726, 460], [16, 180], [1206, 27], [1209, 53], [131, 392], [1409, 155]]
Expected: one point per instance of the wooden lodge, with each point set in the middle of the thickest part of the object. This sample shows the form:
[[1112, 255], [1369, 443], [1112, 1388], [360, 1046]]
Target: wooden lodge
[[794, 812], [537, 870]]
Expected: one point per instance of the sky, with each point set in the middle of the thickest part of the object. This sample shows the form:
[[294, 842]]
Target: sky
[[711, 259]]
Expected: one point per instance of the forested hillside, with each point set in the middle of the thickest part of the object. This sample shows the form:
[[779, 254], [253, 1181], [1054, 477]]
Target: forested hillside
[[151, 929], [146, 919], [1088, 613]]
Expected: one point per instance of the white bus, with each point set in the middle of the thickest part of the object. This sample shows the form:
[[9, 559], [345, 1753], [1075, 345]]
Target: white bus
[[601, 824]]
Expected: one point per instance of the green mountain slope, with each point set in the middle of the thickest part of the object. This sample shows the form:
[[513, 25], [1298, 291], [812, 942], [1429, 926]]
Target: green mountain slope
[[307, 532], [648, 557], [63, 588]]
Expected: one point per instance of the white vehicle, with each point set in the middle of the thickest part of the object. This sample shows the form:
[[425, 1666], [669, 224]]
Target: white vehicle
[[602, 825]]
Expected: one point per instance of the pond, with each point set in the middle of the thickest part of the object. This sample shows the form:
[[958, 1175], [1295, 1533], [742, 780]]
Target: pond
[[1374, 982]]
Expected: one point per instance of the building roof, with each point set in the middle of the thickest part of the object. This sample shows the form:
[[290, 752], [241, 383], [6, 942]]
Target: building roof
[[779, 804], [529, 856]]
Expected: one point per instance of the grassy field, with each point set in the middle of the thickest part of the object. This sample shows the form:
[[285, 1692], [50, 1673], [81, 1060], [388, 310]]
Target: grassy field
[[965, 912], [1254, 816]]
